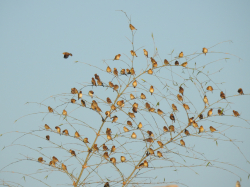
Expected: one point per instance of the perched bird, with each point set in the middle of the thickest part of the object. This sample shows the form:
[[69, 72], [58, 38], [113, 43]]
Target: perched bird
[[109, 100], [132, 71], [105, 148], [113, 149], [93, 81], [172, 117], [108, 131], [64, 167], [151, 110], [155, 65], [145, 52], [107, 113], [139, 126], [165, 129], [236, 113], [195, 125], [73, 153], [151, 90], [201, 129], [134, 109], [106, 155], [166, 62], [222, 95], [149, 140], [58, 129], [186, 107], [190, 120], [123, 158], [125, 129], [150, 133], [46, 127], [160, 112], [80, 95], [74, 91], [47, 137], [212, 129], [115, 118], [220, 112], [210, 88], [160, 143], [184, 64], [128, 71], [159, 154], [66, 132], [171, 128], [238, 184], [52, 163], [133, 135], [151, 151], [50, 109], [174, 107], [181, 90], [99, 82], [130, 114], [132, 96], [181, 55], [111, 84], [95, 147], [182, 142], [145, 163], [186, 132], [147, 105], [133, 53], [113, 107], [115, 87], [97, 77], [135, 105], [150, 71], [108, 69], [55, 159], [66, 54], [86, 140], [132, 27], [201, 116], [176, 63], [204, 50], [129, 123], [83, 103], [115, 72], [153, 60], [143, 96], [134, 83], [205, 100], [179, 97], [123, 72], [64, 112], [72, 100], [240, 91], [77, 135], [210, 112], [106, 184], [117, 57], [91, 93], [113, 160], [40, 159]]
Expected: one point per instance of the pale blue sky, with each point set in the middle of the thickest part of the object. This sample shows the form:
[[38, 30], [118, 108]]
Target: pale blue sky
[[34, 34]]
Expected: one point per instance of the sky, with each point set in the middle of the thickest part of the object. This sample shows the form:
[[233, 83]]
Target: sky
[[34, 34]]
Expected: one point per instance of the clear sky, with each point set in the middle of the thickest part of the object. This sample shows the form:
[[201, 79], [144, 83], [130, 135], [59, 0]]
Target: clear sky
[[34, 34]]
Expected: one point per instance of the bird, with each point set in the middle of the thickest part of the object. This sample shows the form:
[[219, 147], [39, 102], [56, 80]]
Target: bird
[[150, 133], [74, 91], [93, 81], [153, 61], [113, 160], [135, 105], [200, 116], [145, 52], [128, 71], [107, 113], [147, 105], [150, 71], [210, 88], [55, 159], [50, 109], [181, 55], [190, 120], [109, 100], [151, 151], [46, 127], [95, 147], [40, 159], [145, 163], [166, 62], [108, 69], [113, 107], [210, 112], [86, 140], [120, 103], [99, 82], [212, 129], [115, 118], [108, 131], [64, 112], [222, 95], [201, 129], [179, 97], [123, 158], [64, 167], [123, 72], [47, 137], [220, 112], [133, 135], [184, 64], [134, 83], [130, 114], [111, 84], [143, 96], [105, 148], [195, 125], [160, 143], [117, 57], [132, 71], [132, 27], [106, 184], [58, 129], [72, 100], [91, 93], [174, 107], [52, 163], [160, 112], [186, 107], [151, 90], [83, 103], [181, 90], [155, 65], [236, 113], [133, 53], [139, 126], [238, 184], [149, 140], [66, 54], [165, 129], [132, 96], [73, 153], [66, 132], [77, 135], [186, 132], [240, 91], [115, 87], [125, 129], [115, 72], [151, 110], [159, 154], [204, 50], [129, 123], [205, 100], [182, 142], [80, 95], [106, 155], [171, 128], [172, 117], [176, 63], [113, 149]]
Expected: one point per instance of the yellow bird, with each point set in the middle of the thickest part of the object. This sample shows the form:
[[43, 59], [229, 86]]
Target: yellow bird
[[108, 131], [135, 105], [171, 128], [204, 50], [106, 155], [128, 71], [134, 109], [115, 118], [151, 110], [123, 72], [125, 129], [147, 105], [50, 109], [115, 72], [40, 159], [143, 96], [111, 85], [151, 151], [181, 55], [210, 112], [77, 134], [115, 87], [109, 100], [133, 53], [129, 123], [186, 107], [66, 54], [150, 71], [55, 159], [113, 107], [46, 127], [58, 129], [74, 91], [195, 125], [139, 126], [83, 103], [181, 90], [123, 158], [117, 57], [132, 27], [145, 52], [105, 148], [108, 69], [106, 184], [145, 163], [205, 100], [176, 63], [150, 133], [132, 71], [212, 129], [182, 142], [149, 140], [132, 96], [93, 81], [132, 115], [151, 90], [134, 83], [107, 113], [80, 95], [133, 135], [200, 116], [95, 147], [73, 153], [184, 64], [201, 129], [52, 163], [99, 82], [186, 132], [120, 103], [160, 112]]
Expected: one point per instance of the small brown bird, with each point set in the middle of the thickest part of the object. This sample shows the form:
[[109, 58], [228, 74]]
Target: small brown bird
[[150, 133], [186, 107], [201, 129], [165, 129], [40, 159], [66, 54], [190, 120], [107, 113], [151, 151], [52, 163], [106, 155], [179, 97], [205, 100], [195, 125], [125, 129], [149, 140], [240, 91], [134, 109], [83, 103], [132, 71], [117, 57], [160, 112], [86, 140], [222, 95], [155, 65], [172, 117], [97, 77], [176, 63], [115, 72], [93, 81], [111, 84], [58, 129], [91, 93], [128, 71], [99, 82], [204, 50], [145, 163], [50, 109], [184, 64], [151, 90], [55, 159], [66, 132], [212, 129], [171, 128], [133, 135], [147, 105], [113, 149], [77, 135], [181, 55], [109, 100], [150, 71], [210, 112], [133, 53], [220, 112], [181, 90], [130, 114], [123, 158], [132, 27], [113, 160], [105, 148], [139, 126], [135, 105], [182, 142], [95, 147], [186, 132], [201, 116], [108, 131], [152, 60], [145, 52], [80, 95], [46, 127], [64, 112], [210, 88], [132, 96], [73, 153], [106, 184], [64, 167], [151, 110], [129, 123], [47, 137], [134, 83], [108, 69], [123, 72], [113, 107], [166, 62], [115, 118], [236, 113], [174, 107], [115, 87], [72, 100], [238, 184], [143, 96], [74, 91], [160, 144], [159, 154]]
